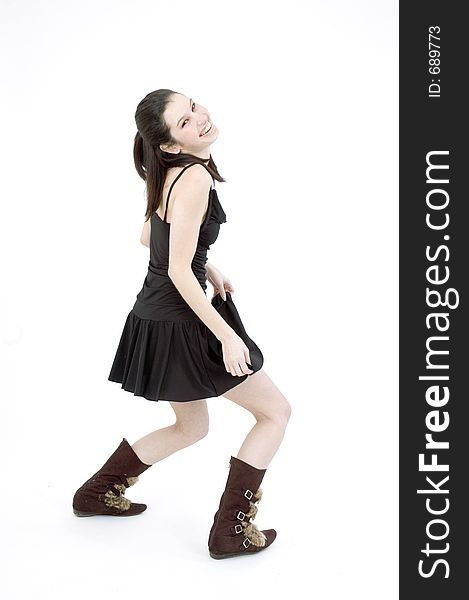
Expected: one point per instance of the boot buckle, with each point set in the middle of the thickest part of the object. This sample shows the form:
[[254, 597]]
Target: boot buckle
[[248, 494], [248, 542], [241, 513], [240, 528]]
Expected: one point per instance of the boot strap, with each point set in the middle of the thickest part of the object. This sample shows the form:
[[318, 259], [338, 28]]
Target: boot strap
[[252, 535]]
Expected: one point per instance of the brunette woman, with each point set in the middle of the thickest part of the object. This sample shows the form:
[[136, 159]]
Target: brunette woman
[[177, 345]]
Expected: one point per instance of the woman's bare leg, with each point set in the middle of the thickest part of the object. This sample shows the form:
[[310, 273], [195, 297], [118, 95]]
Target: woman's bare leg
[[191, 425], [260, 396]]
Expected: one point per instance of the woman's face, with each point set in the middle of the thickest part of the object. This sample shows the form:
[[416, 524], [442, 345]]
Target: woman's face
[[188, 122]]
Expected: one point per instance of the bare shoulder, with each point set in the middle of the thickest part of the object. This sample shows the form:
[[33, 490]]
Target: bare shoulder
[[192, 188], [196, 177]]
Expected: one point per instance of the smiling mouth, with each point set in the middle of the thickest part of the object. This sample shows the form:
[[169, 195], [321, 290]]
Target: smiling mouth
[[205, 130]]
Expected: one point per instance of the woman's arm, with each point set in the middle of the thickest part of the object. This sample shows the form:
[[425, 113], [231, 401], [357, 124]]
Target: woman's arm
[[145, 236], [188, 209]]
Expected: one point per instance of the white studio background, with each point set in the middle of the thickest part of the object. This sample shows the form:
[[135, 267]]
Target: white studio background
[[305, 95]]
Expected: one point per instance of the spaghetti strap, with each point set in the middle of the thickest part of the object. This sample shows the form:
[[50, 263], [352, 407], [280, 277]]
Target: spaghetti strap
[[175, 179]]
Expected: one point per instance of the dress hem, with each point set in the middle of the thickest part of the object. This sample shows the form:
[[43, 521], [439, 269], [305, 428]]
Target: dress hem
[[241, 379]]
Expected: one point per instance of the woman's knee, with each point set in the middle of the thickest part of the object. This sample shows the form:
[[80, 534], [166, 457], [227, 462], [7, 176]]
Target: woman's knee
[[261, 397], [278, 412], [287, 411], [283, 413], [192, 420], [193, 432]]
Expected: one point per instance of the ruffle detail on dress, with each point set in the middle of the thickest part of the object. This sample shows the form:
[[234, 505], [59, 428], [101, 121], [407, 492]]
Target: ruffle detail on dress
[[155, 357], [217, 212], [178, 360]]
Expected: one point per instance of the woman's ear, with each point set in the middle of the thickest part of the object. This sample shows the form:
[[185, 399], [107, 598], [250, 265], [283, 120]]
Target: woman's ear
[[172, 149]]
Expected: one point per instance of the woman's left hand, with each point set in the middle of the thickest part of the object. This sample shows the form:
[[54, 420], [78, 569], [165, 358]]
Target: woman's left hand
[[220, 282]]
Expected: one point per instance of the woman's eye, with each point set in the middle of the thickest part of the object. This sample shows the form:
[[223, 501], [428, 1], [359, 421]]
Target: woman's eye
[[183, 123]]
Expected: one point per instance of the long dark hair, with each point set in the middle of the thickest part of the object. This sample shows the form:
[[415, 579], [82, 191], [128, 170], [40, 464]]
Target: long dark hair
[[151, 162]]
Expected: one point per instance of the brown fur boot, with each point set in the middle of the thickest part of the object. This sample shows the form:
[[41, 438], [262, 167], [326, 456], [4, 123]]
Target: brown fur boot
[[232, 533], [103, 493]]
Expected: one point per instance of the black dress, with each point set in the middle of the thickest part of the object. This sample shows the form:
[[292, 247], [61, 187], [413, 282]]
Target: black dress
[[166, 352]]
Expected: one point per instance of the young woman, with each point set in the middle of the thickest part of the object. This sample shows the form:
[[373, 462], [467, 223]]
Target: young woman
[[178, 346]]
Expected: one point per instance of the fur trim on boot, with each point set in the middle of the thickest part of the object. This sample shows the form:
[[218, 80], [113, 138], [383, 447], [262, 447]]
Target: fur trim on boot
[[238, 507], [103, 493]]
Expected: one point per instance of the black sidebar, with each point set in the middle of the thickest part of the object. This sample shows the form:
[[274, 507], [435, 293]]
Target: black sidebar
[[433, 302]]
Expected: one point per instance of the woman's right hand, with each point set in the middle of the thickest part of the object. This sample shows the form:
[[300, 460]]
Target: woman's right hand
[[236, 355]]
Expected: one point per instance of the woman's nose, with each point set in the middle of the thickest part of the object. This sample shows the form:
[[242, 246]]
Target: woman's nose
[[202, 116]]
